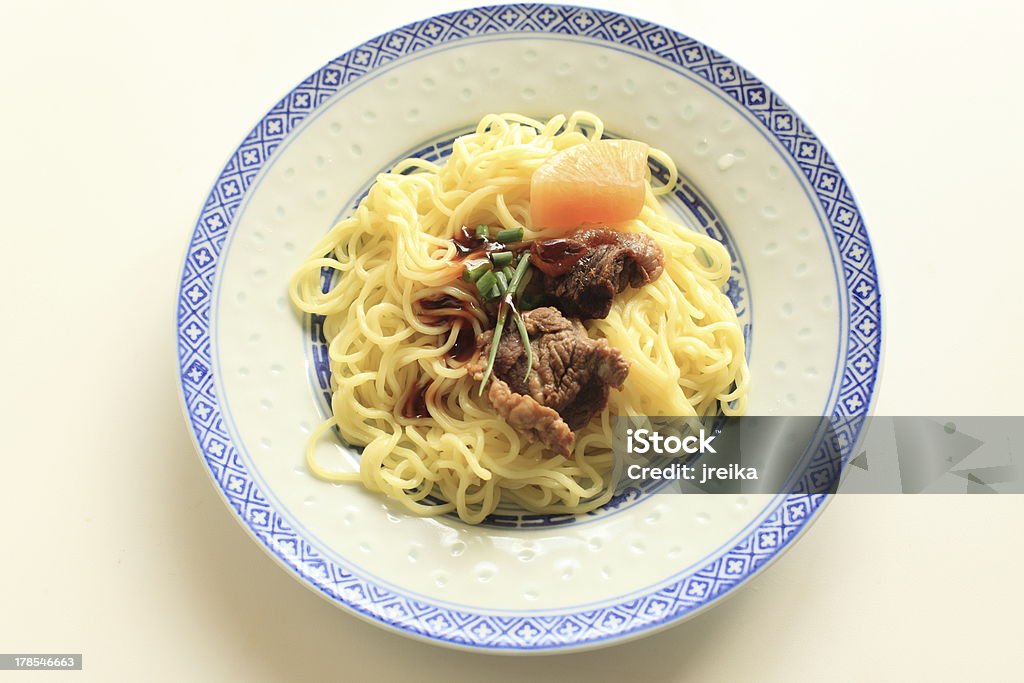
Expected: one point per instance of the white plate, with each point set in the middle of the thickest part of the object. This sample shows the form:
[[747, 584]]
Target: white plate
[[252, 374]]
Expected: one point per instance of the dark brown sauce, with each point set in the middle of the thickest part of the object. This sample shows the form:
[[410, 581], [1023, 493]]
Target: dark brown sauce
[[467, 244], [465, 344], [442, 302], [557, 256], [416, 402], [450, 309]]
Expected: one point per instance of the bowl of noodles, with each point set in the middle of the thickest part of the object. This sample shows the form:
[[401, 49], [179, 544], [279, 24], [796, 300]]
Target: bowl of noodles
[[436, 271]]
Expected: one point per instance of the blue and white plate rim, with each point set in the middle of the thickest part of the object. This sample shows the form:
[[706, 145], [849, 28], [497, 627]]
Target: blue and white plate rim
[[521, 632]]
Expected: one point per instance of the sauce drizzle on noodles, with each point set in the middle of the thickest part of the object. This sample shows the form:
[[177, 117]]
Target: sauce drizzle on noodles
[[679, 333]]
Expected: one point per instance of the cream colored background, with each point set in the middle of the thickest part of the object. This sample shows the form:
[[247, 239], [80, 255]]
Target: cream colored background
[[117, 117]]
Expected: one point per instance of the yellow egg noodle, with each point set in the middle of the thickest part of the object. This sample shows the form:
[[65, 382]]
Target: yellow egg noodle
[[680, 332]]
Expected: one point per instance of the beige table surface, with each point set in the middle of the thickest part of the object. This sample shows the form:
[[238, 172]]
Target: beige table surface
[[116, 118]]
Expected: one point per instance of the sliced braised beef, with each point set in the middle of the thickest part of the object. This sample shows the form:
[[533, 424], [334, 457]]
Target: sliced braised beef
[[584, 270], [568, 384]]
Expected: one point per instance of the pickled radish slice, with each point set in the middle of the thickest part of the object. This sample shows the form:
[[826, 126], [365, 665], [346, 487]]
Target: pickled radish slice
[[596, 183]]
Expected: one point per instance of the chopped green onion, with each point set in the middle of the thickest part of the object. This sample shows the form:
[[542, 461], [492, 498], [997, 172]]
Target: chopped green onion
[[493, 293], [474, 272], [486, 282], [526, 280], [482, 231], [510, 235], [517, 279], [500, 259], [515, 286], [525, 337], [502, 312], [502, 281], [506, 304], [509, 272]]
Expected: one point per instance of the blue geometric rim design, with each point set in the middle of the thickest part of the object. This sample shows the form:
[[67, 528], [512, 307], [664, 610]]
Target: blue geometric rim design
[[520, 632]]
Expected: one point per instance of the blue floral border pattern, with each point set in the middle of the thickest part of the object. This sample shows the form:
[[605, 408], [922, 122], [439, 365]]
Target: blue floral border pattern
[[523, 632]]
